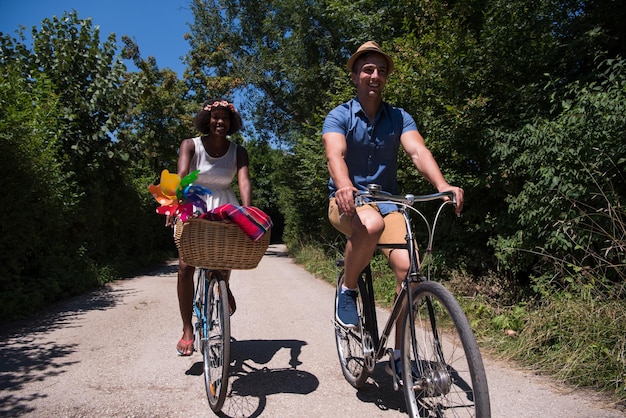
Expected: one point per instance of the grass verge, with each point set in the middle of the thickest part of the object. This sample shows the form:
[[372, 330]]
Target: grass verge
[[580, 341]]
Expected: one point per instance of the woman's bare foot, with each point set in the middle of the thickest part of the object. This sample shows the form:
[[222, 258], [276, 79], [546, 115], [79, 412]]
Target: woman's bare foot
[[185, 346]]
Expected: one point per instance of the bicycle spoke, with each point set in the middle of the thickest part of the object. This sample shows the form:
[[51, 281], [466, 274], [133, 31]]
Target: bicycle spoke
[[350, 349], [217, 343], [352, 352], [444, 380]]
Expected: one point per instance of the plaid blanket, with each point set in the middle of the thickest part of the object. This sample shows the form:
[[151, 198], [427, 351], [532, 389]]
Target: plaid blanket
[[252, 221]]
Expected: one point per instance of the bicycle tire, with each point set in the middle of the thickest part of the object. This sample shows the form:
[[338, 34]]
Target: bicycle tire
[[350, 343], [448, 378], [216, 353]]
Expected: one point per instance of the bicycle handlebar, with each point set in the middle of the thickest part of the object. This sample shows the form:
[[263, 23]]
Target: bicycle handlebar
[[374, 193]]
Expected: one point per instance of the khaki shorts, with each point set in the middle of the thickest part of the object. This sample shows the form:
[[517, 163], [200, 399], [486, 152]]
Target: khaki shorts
[[395, 227]]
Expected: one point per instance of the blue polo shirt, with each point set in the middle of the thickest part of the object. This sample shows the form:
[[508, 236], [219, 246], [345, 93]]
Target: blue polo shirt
[[372, 148]]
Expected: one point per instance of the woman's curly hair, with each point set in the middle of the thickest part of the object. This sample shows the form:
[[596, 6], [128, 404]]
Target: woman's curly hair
[[203, 118]]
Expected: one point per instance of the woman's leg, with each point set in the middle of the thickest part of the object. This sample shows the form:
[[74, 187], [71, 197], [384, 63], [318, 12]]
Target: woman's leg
[[185, 304], [231, 298]]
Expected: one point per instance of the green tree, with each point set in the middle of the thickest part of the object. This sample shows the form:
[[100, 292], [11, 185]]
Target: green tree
[[66, 98], [40, 262], [468, 71], [95, 93], [266, 168], [282, 55], [161, 119]]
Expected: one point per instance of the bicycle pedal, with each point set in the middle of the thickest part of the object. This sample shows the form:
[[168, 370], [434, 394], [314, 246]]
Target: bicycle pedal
[[339, 325], [397, 383], [418, 387]]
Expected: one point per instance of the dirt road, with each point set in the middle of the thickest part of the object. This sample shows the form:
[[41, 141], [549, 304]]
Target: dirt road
[[111, 354]]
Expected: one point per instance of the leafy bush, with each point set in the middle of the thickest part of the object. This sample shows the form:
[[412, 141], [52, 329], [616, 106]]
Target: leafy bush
[[75, 217], [568, 179], [39, 260]]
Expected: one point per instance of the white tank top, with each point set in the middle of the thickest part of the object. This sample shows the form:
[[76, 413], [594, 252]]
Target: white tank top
[[216, 174]]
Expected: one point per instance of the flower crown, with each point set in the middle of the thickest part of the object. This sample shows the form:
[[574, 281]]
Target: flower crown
[[222, 103]]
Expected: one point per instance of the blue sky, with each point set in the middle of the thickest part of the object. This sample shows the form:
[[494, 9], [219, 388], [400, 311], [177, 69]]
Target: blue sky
[[157, 27]]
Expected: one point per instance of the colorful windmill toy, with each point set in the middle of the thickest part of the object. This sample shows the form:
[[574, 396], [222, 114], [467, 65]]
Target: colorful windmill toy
[[179, 197]]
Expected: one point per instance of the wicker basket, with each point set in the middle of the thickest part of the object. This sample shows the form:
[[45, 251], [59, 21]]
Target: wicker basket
[[218, 245]]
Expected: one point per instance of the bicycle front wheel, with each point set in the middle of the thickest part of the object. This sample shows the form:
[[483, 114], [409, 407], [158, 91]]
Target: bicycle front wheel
[[217, 345], [350, 345], [442, 370]]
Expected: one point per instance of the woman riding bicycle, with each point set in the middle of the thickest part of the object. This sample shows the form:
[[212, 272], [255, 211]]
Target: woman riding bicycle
[[218, 160], [362, 138]]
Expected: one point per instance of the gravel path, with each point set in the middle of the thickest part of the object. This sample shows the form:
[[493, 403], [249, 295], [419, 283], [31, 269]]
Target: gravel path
[[111, 354]]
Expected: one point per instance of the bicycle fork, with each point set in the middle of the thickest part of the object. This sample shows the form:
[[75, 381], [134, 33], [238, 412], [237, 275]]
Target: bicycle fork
[[200, 311], [395, 319], [406, 293]]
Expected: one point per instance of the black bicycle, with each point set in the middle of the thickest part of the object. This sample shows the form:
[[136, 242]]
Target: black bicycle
[[442, 369]]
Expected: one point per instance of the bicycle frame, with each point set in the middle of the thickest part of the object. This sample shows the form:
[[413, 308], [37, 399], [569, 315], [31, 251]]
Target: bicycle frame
[[210, 299], [439, 369], [198, 298], [404, 298]]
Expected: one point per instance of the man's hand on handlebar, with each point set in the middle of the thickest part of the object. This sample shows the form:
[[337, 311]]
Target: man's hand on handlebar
[[458, 193], [344, 197]]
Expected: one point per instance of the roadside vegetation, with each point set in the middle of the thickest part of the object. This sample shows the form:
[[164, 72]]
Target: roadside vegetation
[[522, 103]]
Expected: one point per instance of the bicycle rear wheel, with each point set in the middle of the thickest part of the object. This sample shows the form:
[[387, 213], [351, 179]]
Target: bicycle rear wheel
[[350, 345], [216, 351], [442, 372]]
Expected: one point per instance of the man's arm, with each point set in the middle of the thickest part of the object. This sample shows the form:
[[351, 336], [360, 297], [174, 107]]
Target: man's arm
[[423, 159], [335, 146]]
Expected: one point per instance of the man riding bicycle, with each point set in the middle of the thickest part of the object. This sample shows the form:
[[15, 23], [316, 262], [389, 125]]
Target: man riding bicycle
[[362, 138]]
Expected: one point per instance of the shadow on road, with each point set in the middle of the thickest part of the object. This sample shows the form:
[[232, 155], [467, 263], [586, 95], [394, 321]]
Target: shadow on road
[[277, 250], [251, 382], [27, 354], [166, 268], [379, 390]]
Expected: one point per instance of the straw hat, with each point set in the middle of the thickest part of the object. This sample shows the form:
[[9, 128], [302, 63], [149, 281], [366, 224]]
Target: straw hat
[[369, 46]]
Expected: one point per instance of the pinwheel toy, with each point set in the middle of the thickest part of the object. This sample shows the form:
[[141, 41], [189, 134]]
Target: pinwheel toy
[[177, 196]]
